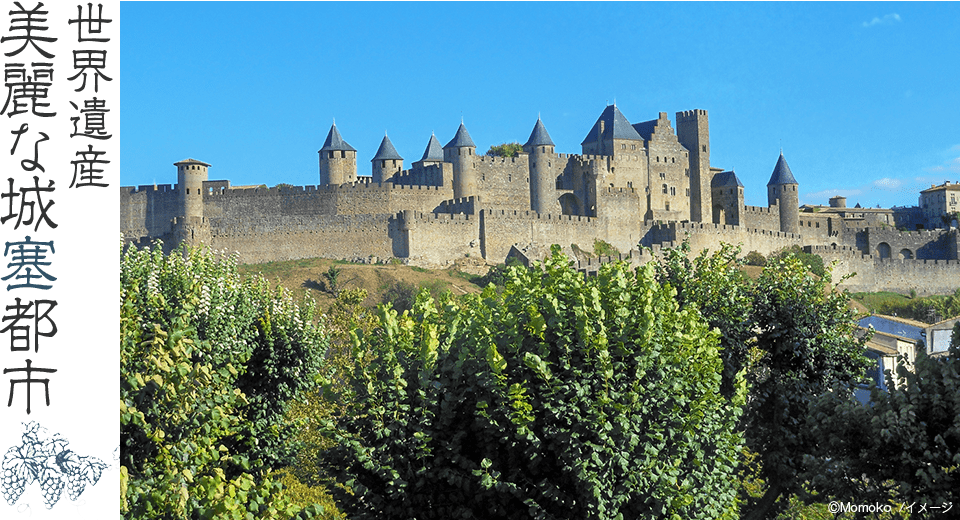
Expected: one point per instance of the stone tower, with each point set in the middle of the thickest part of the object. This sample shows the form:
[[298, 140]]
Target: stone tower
[[463, 154], [338, 160], [782, 190], [386, 162], [191, 174], [727, 195], [543, 186], [693, 131]]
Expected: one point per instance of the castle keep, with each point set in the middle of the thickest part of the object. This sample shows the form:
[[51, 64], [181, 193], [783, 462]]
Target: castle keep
[[642, 183]]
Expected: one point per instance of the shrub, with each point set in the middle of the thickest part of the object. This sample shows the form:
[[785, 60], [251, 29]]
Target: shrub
[[755, 258], [209, 366], [562, 397]]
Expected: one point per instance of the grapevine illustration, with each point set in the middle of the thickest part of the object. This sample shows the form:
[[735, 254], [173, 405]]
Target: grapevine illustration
[[61, 472]]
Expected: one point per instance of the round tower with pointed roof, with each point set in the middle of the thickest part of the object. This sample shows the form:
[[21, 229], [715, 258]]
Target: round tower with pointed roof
[[191, 174], [543, 188], [338, 160], [386, 162], [462, 153], [783, 190]]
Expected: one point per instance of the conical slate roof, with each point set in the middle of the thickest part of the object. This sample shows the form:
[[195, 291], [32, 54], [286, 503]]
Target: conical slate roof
[[725, 180], [462, 138], [433, 152], [336, 143], [386, 151], [782, 173], [615, 126], [539, 136]]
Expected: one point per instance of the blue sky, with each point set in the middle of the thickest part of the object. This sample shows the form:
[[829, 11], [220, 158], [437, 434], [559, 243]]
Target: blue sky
[[863, 97]]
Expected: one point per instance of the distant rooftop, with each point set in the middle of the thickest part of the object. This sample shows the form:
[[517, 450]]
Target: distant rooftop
[[782, 173], [615, 126]]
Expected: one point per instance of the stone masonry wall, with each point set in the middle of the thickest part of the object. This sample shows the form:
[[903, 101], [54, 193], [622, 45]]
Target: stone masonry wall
[[147, 211], [711, 236], [758, 217], [326, 236], [871, 274], [504, 182], [500, 229], [922, 244], [437, 238]]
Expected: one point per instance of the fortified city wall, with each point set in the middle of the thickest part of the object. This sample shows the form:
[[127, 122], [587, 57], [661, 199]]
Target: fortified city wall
[[634, 184]]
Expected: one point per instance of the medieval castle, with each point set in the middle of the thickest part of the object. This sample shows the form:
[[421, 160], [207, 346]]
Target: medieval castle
[[644, 184]]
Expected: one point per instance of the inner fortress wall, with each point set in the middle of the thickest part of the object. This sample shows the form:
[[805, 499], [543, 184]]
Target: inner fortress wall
[[437, 238], [923, 244], [504, 182], [759, 217], [500, 229]]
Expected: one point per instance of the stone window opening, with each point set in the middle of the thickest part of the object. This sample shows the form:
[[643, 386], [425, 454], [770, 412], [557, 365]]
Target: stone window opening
[[704, 148], [688, 192], [664, 188], [663, 175], [673, 191]]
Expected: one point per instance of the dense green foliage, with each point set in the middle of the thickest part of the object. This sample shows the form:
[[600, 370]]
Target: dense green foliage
[[805, 335], [904, 448], [793, 336], [561, 397], [813, 262], [209, 366], [505, 150]]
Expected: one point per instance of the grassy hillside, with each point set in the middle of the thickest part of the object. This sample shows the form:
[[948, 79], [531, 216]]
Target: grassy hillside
[[383, 282]]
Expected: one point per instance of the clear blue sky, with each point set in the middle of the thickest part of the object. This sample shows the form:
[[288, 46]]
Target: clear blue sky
[[863, 97]]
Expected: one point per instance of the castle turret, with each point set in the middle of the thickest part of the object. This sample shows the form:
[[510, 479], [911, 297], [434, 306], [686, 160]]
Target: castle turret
[[727, 194], [693, 131], [463, 154], [191, 175], [543, 184], [338, 160], [433, 153], [783, 190], [386, 162]]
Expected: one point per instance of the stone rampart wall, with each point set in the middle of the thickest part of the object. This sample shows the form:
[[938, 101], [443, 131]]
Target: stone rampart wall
[[759, 217], [500, 229], [326, 236], [712, 236], [147, 211], [437, 238], [922, 244], [873, 274], [504, 182]]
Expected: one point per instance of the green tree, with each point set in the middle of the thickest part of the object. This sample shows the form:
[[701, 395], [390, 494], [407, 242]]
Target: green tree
[[807, 346], [904, 447], [505, 150], [562, 397], [209, 366]]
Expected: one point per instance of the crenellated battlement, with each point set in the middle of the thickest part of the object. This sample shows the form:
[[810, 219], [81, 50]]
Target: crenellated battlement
[[158, 188], [519, 159], [690, 114], [757, 209]]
